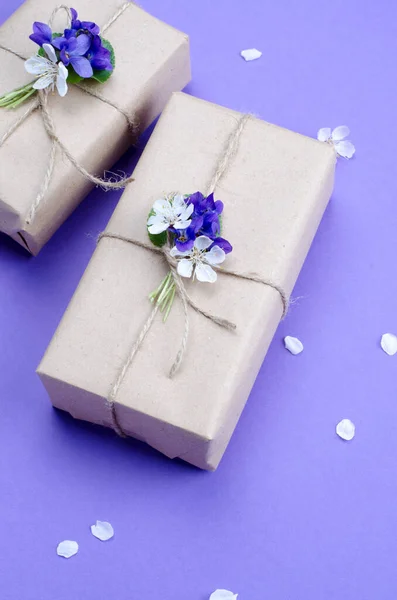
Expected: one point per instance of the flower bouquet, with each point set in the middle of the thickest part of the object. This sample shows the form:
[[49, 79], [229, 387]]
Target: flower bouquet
[[190, 225], [79, 53]]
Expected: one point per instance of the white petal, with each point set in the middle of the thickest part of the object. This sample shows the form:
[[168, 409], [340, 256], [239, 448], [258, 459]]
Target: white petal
[[67, 548], [203, 242], [182, 224], [175, 252], [389, 343], [340, 133], [49, 50], [162, 206], [345, 149], [102, 530], [36, 65], [346, 429], [205, 273], [154, 219], [158, 227], [62, 86], [324, 134], [187, 212], [292, 344], [62, 71], [223, 595], [178, 201], [251, 54], [43, 82], [215, 256], [185, 267]]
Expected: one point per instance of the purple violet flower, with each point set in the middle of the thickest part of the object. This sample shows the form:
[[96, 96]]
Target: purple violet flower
[[203, 205], [42, 33], [85, 26], [98, 55], [212, 206], [72, 52], [184, 238], [209, 211], [204, 222], [197, 200], [211, 226]]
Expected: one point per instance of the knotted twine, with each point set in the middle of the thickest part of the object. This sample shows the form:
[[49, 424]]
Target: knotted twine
[[41, 103], [220, 170]]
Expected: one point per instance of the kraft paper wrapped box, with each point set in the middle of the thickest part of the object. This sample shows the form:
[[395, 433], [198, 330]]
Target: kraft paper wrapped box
[[152, 61], [275, 190]]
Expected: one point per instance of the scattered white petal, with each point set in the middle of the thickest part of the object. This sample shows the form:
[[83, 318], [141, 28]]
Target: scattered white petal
[[389, 343], [251, 54], [102, 530], [340, 133], [223, 595], [292, 344], [324, 134], [67, 548], [346, 429], [336, 138], [345, 149]]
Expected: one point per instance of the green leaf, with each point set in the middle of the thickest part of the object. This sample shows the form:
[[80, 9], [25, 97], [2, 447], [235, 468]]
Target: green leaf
[[159, 239], [73, 77], [106, 44], [103, 75]]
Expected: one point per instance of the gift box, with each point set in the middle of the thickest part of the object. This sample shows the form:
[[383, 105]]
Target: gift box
[[275, 185], [152, 61]]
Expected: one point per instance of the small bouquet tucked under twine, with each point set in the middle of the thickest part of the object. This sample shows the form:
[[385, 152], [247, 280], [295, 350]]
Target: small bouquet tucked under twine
[[79, 53], [190, 225]]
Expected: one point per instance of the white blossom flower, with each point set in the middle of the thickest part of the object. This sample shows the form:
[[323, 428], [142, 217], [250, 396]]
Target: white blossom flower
[[336, 138], [48, 71], [198, 260], [170, 212]]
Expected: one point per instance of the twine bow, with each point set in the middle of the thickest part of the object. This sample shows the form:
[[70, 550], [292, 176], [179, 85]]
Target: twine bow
[[41, 102]]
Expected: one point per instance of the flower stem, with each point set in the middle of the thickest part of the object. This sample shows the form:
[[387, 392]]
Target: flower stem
[[153, 297], [164, 295], [16, 97], [170, 302]]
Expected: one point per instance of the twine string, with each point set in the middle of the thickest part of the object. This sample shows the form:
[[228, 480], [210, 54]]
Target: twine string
[[116, 15], [186, 301], [133, 123], [220, 170], [42, 103], [34, 106], [58, 9], [11, 51], [228, 155]]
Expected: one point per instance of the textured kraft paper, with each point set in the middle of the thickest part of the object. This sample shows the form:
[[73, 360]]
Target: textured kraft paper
[[152, 61], [275, 193]]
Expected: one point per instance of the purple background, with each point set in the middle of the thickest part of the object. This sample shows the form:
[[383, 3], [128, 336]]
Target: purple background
[[293, 513]]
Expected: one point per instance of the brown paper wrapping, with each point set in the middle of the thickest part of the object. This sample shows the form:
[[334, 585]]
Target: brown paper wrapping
[[275, 192], [152, 62]]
